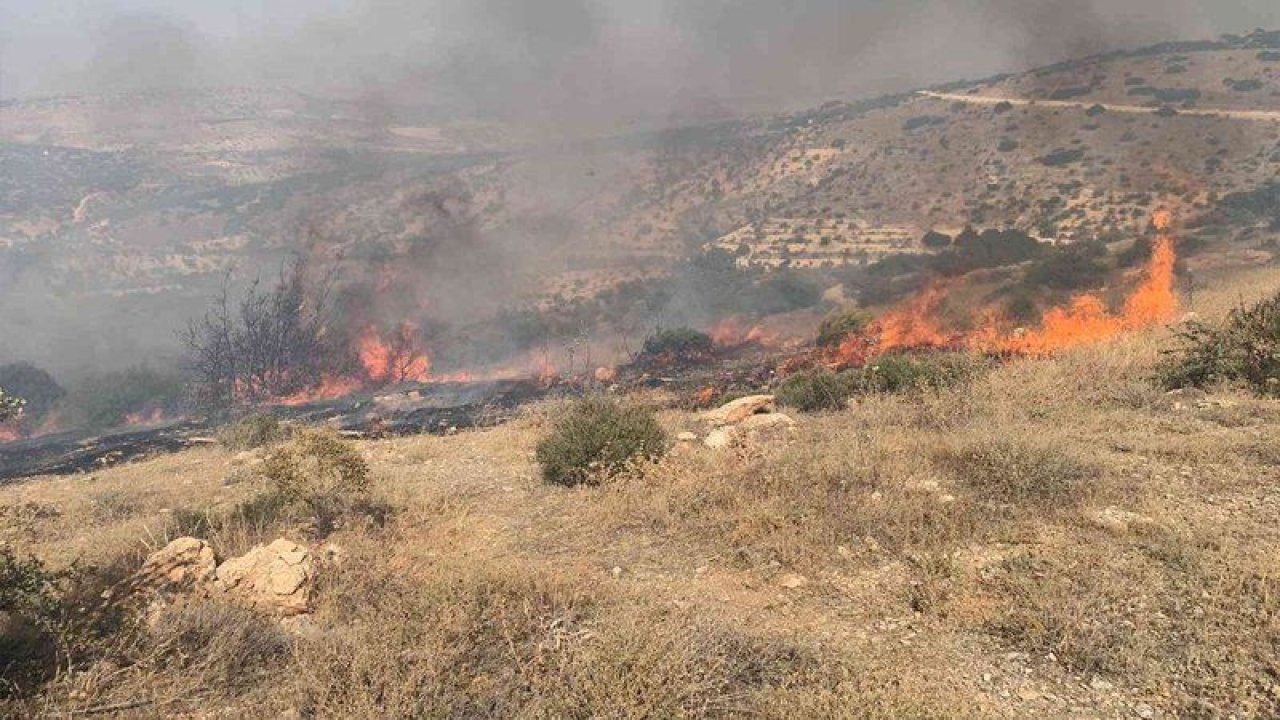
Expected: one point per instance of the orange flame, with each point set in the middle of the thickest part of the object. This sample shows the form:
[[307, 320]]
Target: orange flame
[[1085, 320], [9, 433]]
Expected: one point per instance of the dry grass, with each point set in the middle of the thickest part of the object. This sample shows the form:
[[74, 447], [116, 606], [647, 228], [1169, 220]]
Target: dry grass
[[946, 553]]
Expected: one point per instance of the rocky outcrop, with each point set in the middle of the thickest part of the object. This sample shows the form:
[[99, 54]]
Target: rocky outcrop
[[278, 578], [735, 412], [184, 564]]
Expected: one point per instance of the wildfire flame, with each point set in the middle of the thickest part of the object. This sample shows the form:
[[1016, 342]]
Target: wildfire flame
[[1084, 320]]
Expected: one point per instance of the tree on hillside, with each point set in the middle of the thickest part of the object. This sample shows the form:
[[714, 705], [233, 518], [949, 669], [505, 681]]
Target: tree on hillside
[[272, 343]]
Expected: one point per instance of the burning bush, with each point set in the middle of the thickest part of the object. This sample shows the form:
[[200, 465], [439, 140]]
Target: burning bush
[[1245, 348], [322, 474], [253, 431], [597, 439], [677, 345]]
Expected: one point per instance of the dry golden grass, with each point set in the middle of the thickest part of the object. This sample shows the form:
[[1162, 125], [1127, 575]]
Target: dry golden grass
[[1057, 538]]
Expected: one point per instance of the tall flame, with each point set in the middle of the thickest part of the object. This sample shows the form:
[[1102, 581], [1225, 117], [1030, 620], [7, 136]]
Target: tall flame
[[1086, 320]]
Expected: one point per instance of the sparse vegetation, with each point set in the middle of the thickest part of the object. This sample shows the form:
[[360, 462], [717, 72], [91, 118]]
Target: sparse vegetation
[[596, 439], [1020, 473]]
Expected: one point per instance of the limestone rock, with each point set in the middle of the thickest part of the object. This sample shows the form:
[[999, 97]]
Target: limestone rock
[[735, 412], [767, 422], [278, 577], [686, 437], [181, 565], [793, 581]]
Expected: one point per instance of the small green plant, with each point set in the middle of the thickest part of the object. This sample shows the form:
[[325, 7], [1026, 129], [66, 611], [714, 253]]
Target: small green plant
[[1019, 473], [596, 439], [1245, 348], [816, 391], [253, 431], [840, 325], [322, 473]]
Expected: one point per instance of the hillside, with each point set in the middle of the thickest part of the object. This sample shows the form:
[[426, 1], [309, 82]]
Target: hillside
[[1102, 549], [141, 204]]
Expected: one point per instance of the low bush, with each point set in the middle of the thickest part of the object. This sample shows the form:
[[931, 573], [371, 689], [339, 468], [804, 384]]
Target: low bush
[[596, 439], [253, 431], [816, 391], [840, 325], [680, 344], [905, 373], [1245, 348], [1019, 473], [321, 474]]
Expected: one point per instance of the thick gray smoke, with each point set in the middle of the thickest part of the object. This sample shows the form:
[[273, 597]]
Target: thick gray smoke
[[597, 61]]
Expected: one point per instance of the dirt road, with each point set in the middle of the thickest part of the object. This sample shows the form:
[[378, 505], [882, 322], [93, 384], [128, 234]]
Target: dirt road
[[1256, 115]]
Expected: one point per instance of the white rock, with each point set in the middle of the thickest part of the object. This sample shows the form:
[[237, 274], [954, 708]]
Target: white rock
[[738, 410]]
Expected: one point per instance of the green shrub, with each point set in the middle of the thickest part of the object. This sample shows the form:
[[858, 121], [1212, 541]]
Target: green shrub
[[1019, 473], [321, 473], [596, 439], [37, 388], [816, 391], [680, 344], [29, 600], [253, 431], [839, 325], [1245, 348], [904, 373]]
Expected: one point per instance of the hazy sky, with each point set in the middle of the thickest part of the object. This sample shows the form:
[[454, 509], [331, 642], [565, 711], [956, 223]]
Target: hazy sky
[[605, 57]]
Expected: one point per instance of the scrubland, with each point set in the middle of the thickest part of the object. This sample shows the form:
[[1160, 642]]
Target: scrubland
[[1051, 538]]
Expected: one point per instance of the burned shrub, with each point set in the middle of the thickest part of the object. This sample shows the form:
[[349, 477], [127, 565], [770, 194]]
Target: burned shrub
[[322, 475], [1245, 348], [677, 345], [596, 439], [841, 324], [272, 343], [253, 431]]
